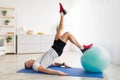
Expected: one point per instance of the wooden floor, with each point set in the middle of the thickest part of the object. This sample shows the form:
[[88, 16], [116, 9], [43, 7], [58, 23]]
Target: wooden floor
[[12, 63]]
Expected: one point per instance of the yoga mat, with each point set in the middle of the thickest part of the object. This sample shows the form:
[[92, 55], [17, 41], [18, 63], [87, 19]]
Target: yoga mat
[[75, 72]]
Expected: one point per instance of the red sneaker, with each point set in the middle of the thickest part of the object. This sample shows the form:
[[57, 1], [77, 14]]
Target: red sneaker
[[62, 9], [86, 47]]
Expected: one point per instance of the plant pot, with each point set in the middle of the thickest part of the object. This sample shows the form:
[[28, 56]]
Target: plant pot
[[7, 22], [9, 41], [4, 12]]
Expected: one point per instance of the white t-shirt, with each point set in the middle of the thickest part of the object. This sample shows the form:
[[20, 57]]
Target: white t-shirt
[[46, 59]]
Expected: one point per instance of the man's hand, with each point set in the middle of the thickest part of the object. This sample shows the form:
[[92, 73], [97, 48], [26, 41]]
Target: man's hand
[[51, 71], [67, 66], [61, 64]]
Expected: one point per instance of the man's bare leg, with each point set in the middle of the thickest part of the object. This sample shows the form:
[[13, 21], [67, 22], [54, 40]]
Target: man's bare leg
[[60, 27], [67, 36], [61, 23]]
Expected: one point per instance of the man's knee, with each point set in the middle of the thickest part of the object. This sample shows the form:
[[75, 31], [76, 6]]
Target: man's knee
[[67, 33]]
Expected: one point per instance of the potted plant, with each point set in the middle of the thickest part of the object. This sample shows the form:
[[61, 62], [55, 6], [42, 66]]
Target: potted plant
[[4, 12], [6, 22], [9, 39]]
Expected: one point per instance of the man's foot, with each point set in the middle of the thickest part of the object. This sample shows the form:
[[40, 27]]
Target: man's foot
[[62, 10], [86, 47]]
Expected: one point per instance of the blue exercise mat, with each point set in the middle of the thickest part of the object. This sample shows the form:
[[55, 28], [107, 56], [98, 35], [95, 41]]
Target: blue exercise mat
[[75, 72]]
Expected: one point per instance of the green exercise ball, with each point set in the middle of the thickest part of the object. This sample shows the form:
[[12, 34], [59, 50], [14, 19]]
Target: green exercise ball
[[95, 59]]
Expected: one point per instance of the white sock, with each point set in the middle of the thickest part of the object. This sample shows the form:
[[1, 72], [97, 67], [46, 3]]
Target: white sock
[[81, 48], [62, 13]]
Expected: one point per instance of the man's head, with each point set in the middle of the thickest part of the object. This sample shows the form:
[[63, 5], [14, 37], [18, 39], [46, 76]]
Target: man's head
[[29, 63]]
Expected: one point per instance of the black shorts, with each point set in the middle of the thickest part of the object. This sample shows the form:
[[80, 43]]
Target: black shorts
[[58, 46]]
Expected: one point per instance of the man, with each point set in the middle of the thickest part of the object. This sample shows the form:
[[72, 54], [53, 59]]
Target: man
[[42, 63]]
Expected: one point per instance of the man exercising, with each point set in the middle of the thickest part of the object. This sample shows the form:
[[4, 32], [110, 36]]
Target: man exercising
[[56, 50]]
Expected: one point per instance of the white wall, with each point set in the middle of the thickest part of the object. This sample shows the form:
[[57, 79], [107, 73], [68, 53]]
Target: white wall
[[115, 27], [38, 15], [98, 21], [95, 21]]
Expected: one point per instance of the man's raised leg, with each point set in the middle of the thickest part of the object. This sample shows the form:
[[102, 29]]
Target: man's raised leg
[[61, 24]]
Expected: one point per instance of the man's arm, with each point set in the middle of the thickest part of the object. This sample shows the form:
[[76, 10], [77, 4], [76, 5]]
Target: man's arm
[[50, 71]]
